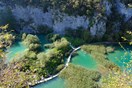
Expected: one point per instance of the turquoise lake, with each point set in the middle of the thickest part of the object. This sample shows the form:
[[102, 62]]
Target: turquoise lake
[[55, 83], [15, 50], [119, 56], [81, 59], [85, 60]]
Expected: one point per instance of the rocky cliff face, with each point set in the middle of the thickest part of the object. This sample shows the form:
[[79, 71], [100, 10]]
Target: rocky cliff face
[[30, 17], [53, 19]]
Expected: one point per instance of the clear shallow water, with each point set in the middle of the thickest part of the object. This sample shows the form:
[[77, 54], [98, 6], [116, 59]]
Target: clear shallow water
[[81, 59], [15, 50], [85, 60], [119, 56], [19, 48], [55, 83], [42, 39]]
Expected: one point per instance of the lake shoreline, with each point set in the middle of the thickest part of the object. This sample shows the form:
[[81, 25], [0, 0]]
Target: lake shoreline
[[56, 75]]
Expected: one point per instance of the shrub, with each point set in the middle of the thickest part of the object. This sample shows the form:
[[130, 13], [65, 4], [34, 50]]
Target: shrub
[[42, 59], [24, 36], [82, 33], [31, 39], [59, 68], [109, 49], [75, 41], [49, 46], [6, 38], [62, 45], [30, 55], [53, 37], [34, 47]]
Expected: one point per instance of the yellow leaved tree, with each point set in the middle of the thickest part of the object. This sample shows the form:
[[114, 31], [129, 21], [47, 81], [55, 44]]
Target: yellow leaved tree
[[6, 37]]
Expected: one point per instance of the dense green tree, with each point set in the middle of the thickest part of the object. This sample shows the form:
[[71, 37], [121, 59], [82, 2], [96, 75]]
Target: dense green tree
[[31, 39], [53, 37], [62, 45]]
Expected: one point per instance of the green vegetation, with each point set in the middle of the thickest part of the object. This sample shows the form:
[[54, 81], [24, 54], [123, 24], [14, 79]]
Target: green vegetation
[[127, 37], [79, 77], [99, 52], [120, 78], [58, 42], [117, 78], [78, 36], [35, 64], [130, 5], [32, 42], [6, 37], [85, 7], [53, 37], [13, 78]]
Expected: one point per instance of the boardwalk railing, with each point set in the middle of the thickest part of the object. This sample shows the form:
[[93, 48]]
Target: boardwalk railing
[[54, 76]]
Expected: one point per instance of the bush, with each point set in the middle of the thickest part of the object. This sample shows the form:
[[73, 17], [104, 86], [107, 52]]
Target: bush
[[42, 59], [31, 39], [62, 45], [30, 55], [24, 36], [94, 48], [78, 36], [53, 37], [49, 46], [109, 49], [75, 41], [34, 47], [7, 39], [59, 68]]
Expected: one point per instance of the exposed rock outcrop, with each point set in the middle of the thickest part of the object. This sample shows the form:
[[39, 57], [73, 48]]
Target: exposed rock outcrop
[[98, 29], [30, 17]]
